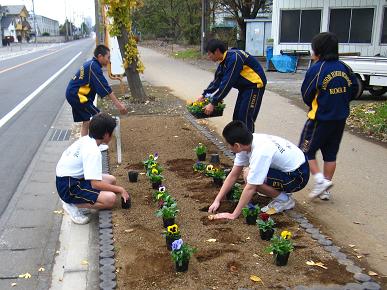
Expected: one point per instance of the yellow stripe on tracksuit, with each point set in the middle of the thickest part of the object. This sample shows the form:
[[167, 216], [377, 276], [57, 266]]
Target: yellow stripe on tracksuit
[[251, 76], [313, 111], [82, 93]]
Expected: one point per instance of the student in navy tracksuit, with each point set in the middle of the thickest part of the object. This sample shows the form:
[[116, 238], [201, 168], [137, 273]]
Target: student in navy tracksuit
[[237, 69], [328, 87], [88, 81]]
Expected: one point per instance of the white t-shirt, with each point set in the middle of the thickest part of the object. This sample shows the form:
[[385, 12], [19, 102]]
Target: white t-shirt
[[269, 151], [82, 159]]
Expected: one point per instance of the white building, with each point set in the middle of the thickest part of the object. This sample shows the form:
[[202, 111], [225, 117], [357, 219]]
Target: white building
[[44, 25], [361, 25]]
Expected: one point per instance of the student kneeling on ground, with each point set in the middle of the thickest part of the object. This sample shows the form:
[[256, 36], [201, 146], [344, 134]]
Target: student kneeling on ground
[[276, 168], [79, 179]]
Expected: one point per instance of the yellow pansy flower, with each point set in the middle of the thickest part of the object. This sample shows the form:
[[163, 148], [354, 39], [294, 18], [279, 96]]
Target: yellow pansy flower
[[286, 235], [209, 167], [151, 156], [173, 229], [155, 171]]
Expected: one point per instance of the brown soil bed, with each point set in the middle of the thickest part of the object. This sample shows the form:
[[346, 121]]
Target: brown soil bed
[[142, 259]]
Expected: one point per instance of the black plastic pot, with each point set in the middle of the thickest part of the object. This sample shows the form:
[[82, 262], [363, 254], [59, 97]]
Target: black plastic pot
[[168, 222], [169, 241], [218, 181], [281, 260], [183, 267], [251, 219], [133, 175], [215, 159], [266, 235], [201, 157], [156, 185], [127, 204]]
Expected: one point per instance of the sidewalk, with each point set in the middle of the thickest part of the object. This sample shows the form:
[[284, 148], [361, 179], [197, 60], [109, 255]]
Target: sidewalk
[[31, 224], [356, 214]]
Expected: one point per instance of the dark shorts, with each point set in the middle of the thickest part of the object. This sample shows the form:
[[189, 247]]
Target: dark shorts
[[322, 135], [73, 190], [289, 181], [82, 112], [247, 106]]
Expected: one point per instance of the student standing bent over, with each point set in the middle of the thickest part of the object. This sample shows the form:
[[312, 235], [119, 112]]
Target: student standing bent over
[[79, 179], [276, 168], [88, 81], [236, 69], [328, 87]]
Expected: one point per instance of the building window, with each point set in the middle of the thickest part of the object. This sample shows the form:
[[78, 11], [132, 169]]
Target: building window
[[384, 27], [352, 25], [299, 26]]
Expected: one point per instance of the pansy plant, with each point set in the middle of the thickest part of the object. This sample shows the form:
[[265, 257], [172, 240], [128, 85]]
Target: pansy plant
[[181, 252], [251, 210], [282, 244], [265, 222]]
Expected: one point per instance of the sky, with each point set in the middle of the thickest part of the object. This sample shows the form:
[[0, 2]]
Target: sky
[[75, 10]]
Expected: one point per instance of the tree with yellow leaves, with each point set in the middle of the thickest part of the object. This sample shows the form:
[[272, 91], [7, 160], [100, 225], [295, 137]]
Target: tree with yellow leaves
[[121, 13]]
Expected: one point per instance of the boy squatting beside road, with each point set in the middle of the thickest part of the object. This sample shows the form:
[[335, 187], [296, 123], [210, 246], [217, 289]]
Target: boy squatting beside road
[[328, 87], [237, 69], [88, 81], [79, 179], [276, 168]]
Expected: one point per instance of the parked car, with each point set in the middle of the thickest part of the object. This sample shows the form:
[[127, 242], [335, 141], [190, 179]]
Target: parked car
[[371, 73]]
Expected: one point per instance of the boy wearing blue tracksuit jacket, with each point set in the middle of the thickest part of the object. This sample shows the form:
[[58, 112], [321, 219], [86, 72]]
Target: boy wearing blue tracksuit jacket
[[88, 81], [328, 87], [237, 69]]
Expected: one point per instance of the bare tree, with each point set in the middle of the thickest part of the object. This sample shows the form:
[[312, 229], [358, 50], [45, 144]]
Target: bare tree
[[243, 9]]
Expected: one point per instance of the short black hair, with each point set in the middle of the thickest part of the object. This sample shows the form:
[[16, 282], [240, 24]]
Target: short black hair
[[237, 132], [101, 124], [325, 45], [101, 49], [214, 44]]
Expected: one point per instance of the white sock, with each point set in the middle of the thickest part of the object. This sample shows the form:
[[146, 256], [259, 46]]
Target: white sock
[[282, 197], [319, 177]]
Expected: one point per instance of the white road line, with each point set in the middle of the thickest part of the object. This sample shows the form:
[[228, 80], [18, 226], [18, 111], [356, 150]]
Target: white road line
[[21, 105]]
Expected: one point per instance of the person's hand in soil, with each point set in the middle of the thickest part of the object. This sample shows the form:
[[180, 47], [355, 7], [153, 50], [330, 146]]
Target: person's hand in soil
[[121, 107], [224, 215], [208, 109], [124, 194], [214, 206]]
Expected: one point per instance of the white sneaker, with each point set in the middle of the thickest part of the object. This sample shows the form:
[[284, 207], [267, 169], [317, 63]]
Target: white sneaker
[[326, 195], [277, 206], [84, 211], [103, 147], [76, 216], [320, 187]]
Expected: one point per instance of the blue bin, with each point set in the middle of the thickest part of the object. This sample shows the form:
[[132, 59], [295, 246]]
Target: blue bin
[[269, 56]]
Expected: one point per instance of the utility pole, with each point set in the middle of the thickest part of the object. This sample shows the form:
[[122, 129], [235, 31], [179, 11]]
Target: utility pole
[[204, 26], [97, 32], [36, 27]]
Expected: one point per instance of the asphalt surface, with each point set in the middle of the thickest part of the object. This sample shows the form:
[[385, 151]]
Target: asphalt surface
[[21, 136]]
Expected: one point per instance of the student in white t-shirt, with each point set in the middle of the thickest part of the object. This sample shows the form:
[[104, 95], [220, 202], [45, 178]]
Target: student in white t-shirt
[[276, 168], [79, 179]]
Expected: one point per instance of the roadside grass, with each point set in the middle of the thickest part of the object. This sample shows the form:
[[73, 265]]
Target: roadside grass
[[371, 119], [190, 53]]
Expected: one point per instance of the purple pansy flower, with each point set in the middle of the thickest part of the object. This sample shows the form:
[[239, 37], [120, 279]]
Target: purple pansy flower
[[176, 245], [251, 206], [156, 156]]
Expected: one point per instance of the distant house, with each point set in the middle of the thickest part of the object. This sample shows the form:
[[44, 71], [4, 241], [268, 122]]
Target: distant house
[[19, 14], [44, 25], [8, 30], [361, 26]]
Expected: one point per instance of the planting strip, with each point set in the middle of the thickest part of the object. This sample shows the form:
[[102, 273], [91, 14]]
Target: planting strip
[[366, 281]]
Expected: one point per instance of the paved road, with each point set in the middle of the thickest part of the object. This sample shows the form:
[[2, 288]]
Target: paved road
[[22, 134], [357, 213]]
